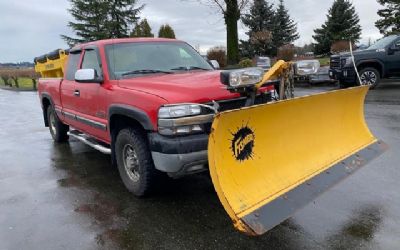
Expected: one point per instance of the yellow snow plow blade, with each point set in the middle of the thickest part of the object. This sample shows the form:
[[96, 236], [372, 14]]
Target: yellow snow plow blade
[[269, 160]]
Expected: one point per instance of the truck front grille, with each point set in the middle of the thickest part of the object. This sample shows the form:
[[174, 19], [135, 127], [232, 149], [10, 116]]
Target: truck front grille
[[335, 62], [237, 103], [241, 102]]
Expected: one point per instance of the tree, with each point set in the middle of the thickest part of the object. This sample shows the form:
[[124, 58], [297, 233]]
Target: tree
[[390, 17], [142, 29], [166, 31], [231, 11], [122, 14], [99, 19], [218, 54], [285, 29], [342, 24], [260, 21]]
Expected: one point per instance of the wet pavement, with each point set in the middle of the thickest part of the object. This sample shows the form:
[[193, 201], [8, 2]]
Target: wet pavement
[[68, 196]]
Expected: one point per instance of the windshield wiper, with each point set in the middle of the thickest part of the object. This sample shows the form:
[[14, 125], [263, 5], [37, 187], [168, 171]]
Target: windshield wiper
[[146, 71], [189, 68]]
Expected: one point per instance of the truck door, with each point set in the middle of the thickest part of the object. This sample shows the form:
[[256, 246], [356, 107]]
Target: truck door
[[393, 60], [67, 88], [90, 104]]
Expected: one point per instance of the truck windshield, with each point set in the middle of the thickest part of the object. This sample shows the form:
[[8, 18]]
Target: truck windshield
[[383, 43], [131, 59]]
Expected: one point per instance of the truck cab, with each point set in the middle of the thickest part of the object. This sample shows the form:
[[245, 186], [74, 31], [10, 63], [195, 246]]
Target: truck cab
[[379, 61]]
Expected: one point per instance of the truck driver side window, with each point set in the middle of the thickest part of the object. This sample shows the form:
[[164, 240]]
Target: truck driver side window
[[91, 61], [72, 67]]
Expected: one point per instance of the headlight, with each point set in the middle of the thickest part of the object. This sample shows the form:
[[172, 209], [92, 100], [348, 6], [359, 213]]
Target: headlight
[[348, 61], [242, 77], [182, 119], [179, 111]]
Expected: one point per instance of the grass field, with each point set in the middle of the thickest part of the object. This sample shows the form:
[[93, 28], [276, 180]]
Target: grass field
[[24, 83], [324, 61]]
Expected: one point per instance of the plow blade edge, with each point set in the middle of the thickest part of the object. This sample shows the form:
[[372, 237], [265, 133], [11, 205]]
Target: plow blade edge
[[269, 160]]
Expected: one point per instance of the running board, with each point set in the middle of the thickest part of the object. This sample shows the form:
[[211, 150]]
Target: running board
[[90, 141]]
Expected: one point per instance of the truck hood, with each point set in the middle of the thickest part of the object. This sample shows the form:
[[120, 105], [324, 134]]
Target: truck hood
[[362, 53], [195, 86]]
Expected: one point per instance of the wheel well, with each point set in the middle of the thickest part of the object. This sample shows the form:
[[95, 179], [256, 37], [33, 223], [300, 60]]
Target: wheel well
[[118, 122], [45, 104], [374, 65]]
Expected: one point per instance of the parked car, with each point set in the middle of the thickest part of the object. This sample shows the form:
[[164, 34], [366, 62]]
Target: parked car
[[381, 60], [304, 69], [263, 62], [322, 76]]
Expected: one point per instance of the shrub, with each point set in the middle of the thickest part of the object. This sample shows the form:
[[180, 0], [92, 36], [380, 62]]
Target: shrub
[[341, 46], [218, 54], [245, 63], [286, 52]]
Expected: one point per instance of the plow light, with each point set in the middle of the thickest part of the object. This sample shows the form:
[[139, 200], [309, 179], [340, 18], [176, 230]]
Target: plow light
[[242, 77]]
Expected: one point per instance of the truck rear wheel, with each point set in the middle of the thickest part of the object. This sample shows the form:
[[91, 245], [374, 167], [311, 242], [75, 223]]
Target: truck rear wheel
[[370, 76], [58, 130], [134, 161]]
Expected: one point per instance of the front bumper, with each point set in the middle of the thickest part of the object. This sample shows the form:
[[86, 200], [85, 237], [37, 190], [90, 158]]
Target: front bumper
[[179, 156], [344, 75]]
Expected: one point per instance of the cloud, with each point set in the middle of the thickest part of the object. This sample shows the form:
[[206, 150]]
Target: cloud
[[32, 28]]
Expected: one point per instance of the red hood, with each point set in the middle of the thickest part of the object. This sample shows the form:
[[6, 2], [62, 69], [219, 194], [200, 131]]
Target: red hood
[[195, 86]]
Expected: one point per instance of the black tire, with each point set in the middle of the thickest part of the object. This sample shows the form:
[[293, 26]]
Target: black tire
[[134, 161], [370, 76], [58, 130]]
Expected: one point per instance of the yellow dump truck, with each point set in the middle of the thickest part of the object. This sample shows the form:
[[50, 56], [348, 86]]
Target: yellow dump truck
[[155, 105]]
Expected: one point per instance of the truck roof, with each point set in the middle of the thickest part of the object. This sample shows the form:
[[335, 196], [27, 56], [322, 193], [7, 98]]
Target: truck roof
[[126, 40]]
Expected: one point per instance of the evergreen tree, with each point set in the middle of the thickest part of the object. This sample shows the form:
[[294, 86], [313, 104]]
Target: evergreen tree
[[89, 25], [285, 29], [390, 17], [122, 14], [260, 22], [142, 29], [166, 31], [100, 19], [342, 24]]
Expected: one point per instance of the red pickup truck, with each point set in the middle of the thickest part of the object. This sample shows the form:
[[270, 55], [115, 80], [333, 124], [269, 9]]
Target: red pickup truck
[[144, 101]]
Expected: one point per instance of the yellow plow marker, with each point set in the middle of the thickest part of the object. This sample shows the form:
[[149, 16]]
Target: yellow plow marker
[[267, 161]]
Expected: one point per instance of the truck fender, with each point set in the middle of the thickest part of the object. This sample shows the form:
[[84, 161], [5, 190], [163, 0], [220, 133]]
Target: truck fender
[[127, 111], [45, 96], [136, 114], [373, 61]]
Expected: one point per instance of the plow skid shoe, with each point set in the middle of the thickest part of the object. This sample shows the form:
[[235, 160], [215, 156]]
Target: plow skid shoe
[[269, 160]]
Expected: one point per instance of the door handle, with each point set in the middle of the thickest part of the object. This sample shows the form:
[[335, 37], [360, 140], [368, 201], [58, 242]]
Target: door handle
[[77, 93]]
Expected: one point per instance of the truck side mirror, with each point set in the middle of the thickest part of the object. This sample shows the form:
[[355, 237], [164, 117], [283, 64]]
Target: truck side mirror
[[215, 64], [87, 76]]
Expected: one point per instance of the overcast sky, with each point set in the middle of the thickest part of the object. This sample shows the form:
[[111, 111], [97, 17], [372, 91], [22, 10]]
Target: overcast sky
[[32, 28]]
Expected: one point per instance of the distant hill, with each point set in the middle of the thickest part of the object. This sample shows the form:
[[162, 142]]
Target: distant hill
[[17, 65]]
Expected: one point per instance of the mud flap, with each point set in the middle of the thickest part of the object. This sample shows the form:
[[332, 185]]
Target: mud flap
[[269, 160]]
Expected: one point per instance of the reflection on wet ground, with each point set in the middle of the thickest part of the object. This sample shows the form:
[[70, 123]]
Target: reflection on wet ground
[[68, 196]]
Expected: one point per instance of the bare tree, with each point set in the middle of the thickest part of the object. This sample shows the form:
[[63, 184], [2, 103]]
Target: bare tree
[[231, 10]]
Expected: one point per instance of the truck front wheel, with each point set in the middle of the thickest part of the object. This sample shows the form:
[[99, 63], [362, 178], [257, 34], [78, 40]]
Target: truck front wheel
[[370, 76], [134, 161], [58, 130]]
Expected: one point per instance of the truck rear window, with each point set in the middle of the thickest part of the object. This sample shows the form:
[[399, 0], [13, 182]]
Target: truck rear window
[[72, 66]]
